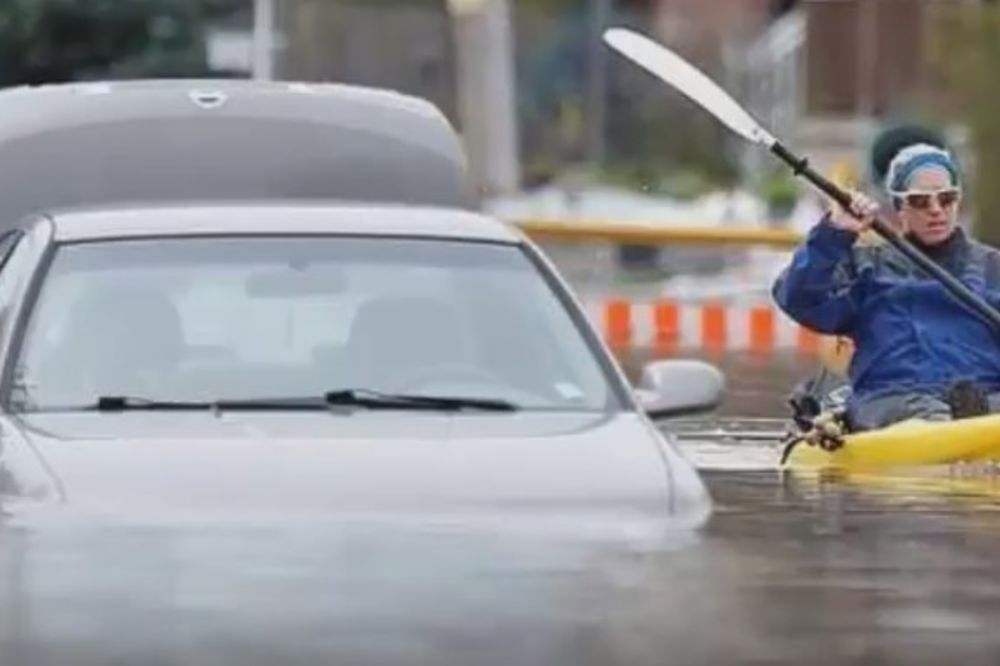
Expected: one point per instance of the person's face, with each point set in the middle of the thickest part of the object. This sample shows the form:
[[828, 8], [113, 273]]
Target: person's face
[[930, 205]]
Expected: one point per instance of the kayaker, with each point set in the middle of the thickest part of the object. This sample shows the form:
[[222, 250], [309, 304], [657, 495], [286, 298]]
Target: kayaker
[[918, 353]]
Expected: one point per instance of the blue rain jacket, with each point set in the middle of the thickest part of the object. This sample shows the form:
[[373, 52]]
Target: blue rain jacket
[[910, 335]]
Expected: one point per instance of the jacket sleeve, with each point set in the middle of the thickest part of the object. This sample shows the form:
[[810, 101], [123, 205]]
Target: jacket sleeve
[[819, 289]]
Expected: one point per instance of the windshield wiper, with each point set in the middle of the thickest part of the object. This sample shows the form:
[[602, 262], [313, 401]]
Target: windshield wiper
[[371, 399], [366, 398], [120, 403]]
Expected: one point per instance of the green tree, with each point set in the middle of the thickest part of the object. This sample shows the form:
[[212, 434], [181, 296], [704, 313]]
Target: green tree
[[67, 40], [967, 52]]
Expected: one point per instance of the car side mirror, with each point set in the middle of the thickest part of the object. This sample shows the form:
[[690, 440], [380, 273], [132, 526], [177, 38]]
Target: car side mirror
[[680, 387]]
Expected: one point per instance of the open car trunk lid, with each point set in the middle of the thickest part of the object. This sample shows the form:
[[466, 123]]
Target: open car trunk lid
[[102, 144]]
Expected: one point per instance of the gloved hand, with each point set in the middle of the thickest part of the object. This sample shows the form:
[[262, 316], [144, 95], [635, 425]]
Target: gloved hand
[[827, 432], [860, 218]]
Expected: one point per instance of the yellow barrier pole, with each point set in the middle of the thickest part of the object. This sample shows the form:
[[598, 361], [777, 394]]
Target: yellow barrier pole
[[647, 234]]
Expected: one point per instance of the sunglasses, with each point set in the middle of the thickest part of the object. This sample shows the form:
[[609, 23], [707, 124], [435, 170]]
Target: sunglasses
[[921, 200]]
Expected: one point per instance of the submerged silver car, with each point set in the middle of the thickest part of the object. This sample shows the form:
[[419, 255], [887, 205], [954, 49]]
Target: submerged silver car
[[271, 432], [314, 358]]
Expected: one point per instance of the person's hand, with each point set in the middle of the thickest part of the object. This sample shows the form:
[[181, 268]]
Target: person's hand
[[864, 209]]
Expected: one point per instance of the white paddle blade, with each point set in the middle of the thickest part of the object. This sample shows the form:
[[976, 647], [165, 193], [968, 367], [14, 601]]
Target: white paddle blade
[[673, 69]]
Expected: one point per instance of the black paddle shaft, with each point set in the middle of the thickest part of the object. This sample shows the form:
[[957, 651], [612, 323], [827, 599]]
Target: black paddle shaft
[[964, 295]]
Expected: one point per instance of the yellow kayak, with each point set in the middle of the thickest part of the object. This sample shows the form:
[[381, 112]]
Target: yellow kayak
[[906, 444]]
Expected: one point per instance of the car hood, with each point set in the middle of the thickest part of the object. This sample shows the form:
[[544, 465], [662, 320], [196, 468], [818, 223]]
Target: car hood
[[259, 468], [318, 538]]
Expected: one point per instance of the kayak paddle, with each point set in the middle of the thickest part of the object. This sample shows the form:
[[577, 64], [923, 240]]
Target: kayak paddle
[[674, 70]]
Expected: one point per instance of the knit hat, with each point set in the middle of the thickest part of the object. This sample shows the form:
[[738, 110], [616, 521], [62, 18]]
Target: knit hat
[[912, 158]]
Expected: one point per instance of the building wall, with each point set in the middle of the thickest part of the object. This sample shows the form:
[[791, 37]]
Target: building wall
[[867, 57], [405, 46], [699, 29], [865, 63]]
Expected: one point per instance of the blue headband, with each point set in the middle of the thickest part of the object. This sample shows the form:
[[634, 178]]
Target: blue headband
[[905, 170]]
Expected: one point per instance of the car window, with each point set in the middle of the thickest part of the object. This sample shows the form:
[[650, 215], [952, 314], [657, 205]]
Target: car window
[[238, 318]]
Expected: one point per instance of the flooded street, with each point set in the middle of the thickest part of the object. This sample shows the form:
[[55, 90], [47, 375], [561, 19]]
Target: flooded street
[[284, 382], [787, 571], [791, 572]]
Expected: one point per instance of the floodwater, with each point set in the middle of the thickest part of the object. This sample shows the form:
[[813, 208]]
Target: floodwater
[[891, 569], [792, 571], [788, 570]]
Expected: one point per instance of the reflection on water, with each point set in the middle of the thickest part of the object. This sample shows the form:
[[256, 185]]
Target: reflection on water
[[787, 571], [799, 571], [863, 570]]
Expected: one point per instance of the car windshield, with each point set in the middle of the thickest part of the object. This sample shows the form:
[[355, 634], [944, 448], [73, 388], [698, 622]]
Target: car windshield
[[243, 318]]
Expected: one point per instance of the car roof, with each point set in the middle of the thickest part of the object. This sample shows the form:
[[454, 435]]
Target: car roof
[[278, 218], [93, 144]]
